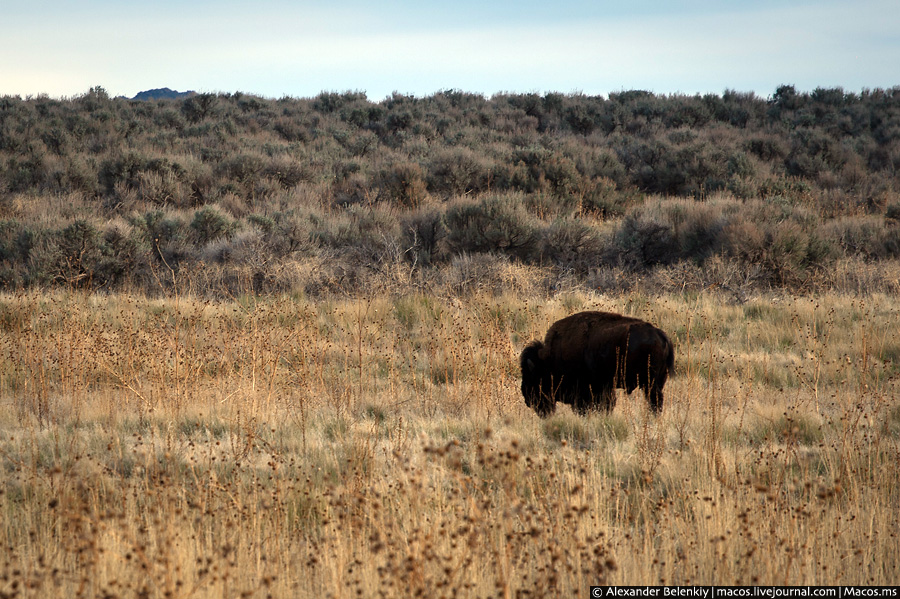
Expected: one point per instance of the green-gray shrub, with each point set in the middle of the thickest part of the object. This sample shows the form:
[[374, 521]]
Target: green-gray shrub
[[494, 223], [424, 236], [209, 224], [571, 242], [643, 241], [403, 184]]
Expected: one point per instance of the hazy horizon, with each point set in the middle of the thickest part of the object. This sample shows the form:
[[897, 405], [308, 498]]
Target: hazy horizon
[[276, 48]]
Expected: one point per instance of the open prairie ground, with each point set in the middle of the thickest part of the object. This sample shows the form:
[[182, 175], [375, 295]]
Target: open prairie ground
[[379, 446]]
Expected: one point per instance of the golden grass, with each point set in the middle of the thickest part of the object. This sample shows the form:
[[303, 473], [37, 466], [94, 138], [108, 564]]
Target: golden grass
[[380, 447]]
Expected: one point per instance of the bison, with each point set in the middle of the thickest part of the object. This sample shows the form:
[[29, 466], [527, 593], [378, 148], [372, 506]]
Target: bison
[[588, 355]]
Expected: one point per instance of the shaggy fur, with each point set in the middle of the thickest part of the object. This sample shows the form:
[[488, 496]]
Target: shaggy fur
[[588, 355]]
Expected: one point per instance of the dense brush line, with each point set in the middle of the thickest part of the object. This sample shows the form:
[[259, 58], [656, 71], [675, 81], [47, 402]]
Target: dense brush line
[[239, 192]]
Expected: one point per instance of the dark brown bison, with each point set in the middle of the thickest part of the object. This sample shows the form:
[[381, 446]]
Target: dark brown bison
[[588, 355]]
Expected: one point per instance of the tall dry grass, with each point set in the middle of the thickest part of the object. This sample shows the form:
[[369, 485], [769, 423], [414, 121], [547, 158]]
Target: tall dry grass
[[380, 447]]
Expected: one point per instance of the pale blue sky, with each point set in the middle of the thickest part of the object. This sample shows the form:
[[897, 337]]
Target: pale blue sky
[[279, 47]]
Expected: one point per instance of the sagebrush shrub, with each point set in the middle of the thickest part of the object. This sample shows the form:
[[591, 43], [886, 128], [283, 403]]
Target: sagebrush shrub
[[403, 184], [287, 171], [865, 236], [370, 233], [644, 240], [158, 230], [241, 168], [572, 242], [892, 214], [547, 171], [291, 129], [791, 251], [744, 239], [199, 106], [424, 236], [495, 223], [698, 226], [209, 224], [74, 254], [355, 188], [458, 171]]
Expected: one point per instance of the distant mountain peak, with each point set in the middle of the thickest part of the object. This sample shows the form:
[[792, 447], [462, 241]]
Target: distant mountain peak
[[163, 93]]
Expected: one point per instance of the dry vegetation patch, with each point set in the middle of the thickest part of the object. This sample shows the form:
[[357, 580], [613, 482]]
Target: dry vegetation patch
[[289, 447]]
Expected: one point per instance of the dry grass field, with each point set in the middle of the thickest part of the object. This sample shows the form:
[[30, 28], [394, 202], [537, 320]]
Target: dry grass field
[[289, 447]]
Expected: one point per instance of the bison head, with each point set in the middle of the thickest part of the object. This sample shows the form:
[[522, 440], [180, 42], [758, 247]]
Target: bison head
[[537, 386]]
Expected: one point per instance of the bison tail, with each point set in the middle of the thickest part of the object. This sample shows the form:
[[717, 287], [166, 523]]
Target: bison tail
[[530, 358], [670, 356]]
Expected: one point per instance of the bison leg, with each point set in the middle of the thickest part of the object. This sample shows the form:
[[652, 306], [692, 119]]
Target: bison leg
[[602, 398], [545, 405], [654, 391], [581, 408], [654, 398], [608, 399], [546, 410], [583, 400], [588, 398]]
